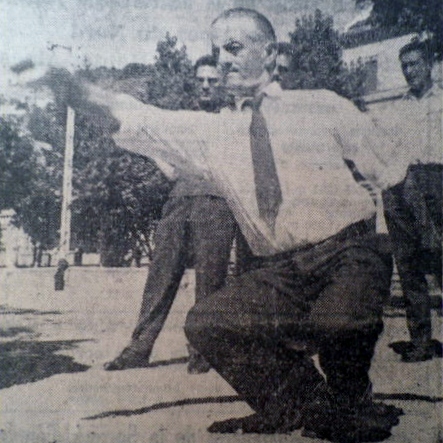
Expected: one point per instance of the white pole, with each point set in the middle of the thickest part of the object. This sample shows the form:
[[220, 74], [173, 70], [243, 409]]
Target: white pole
[[65, 227]]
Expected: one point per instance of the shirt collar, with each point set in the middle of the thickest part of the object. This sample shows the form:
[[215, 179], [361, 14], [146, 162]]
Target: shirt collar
[[272, 89], [432, 91]]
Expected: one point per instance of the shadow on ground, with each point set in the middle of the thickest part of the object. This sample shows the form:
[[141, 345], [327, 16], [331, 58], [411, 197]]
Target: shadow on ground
[[167, 405], [29, 361], [7, 310], [172, 361], [14, 331], [235, 398]]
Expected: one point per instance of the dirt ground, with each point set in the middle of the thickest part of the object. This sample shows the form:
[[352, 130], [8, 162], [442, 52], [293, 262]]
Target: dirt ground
[[53, 388]]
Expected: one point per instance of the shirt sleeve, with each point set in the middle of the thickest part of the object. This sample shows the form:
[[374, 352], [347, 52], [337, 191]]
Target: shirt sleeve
[[168, 137], [363, 143]]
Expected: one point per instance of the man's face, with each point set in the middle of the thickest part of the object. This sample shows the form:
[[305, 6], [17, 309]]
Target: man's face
[[415, 69], [243, 54], [208, 81], [282, 68]]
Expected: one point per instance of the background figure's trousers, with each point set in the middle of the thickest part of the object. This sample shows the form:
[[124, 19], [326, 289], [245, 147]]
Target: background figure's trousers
[[413, 212], [200, 228]]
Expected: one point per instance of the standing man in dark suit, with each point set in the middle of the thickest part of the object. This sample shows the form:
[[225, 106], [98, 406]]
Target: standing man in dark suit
[[196, 227]]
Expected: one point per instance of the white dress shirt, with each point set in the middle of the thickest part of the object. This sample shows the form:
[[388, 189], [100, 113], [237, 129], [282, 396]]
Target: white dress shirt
[[311, 133], [417, 124]]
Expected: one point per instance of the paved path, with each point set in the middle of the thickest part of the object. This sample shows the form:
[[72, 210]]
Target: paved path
[[53, 388]]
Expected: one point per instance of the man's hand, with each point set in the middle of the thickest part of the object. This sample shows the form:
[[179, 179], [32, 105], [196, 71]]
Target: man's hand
[[67, 89], [83, 97]]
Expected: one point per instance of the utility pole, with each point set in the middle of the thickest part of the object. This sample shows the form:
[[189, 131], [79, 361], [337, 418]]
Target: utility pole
[[65, 227]]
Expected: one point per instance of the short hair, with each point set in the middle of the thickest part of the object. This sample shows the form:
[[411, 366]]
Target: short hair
[[424, 47], [206, 60], [263, 24]]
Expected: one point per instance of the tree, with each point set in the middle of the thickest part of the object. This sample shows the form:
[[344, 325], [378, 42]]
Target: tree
[[18, 164], [405, 16], [26, 187], [171, 82], [118, 201], [117, 196], [316, 61]]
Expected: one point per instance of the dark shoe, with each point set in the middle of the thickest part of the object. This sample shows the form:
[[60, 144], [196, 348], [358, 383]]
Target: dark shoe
[[371, 422], [412, 353], [418, 354], [257, 424], [197, 363], [401, 347], [438, 348], [128, 359]]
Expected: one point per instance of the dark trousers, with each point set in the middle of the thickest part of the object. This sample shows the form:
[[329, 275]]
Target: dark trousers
[[197, 227], [328, 297], [413, 212]]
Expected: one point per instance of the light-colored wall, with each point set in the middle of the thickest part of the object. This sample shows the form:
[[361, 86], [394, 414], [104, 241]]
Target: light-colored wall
[[389, 75], [390, 80], [17, 245]]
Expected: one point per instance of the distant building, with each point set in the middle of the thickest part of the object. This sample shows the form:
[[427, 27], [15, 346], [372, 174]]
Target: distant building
[[385, 80], [16, 246]]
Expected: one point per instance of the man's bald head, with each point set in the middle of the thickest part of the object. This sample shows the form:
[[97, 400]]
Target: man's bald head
[[244, 42], [263, 25]]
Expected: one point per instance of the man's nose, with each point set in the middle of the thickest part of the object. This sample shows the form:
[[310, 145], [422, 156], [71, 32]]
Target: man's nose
[[409, 69], [225, 58], [205, 85]]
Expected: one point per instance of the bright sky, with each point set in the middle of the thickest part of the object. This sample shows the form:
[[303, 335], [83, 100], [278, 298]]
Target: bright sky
[[117, 32], [64, 33]]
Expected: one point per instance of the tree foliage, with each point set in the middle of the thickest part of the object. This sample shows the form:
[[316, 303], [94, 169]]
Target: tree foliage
[[117, 196], [18, 164], [171, 82], [317, 58], [417, 15], [405, 16], [27, 185], [317, 53]]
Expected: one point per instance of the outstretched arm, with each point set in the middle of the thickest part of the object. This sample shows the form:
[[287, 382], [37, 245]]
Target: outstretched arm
[[164, 136]]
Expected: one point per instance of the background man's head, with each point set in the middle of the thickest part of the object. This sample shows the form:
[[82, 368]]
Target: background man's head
[[207, 77], [283, 68], [416, 63], [245, 44]]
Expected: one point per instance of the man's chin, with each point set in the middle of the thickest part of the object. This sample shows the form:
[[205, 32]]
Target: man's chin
[[233, 80], [236, 85]]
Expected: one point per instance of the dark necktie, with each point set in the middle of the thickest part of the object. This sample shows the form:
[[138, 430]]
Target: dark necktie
[[267, 186]]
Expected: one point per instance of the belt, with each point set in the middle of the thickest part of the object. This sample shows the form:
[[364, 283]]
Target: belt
[[304, 256]]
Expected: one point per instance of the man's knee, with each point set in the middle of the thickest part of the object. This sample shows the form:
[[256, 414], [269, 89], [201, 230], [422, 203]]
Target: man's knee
[[219, 313], [202, 319], [354, 297]]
